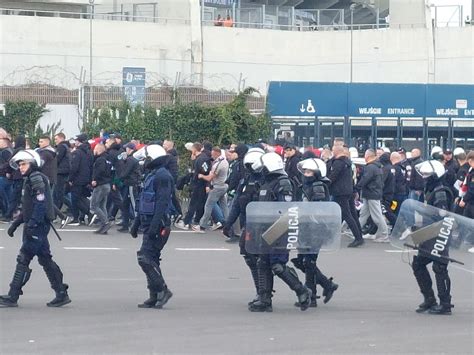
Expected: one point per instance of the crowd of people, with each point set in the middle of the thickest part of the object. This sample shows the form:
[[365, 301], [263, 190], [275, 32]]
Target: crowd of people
[[92, 180]]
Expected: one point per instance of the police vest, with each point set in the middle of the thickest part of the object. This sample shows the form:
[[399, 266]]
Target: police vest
[[279, 189], [147, 202], [36, 186], [317, 191]]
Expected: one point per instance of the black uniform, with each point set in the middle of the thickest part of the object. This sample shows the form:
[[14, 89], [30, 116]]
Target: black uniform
[[38, 211], [315, 189], [277, 187], [153, 212], [439, 196]]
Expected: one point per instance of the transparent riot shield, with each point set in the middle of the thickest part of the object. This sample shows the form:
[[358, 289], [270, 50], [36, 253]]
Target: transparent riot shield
[[282, 227], [438, 234]]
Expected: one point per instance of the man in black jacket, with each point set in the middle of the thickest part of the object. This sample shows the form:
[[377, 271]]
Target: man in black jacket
[[401, 191], [341, 188], [202, 165], [371, 187], [129, 174], [452, 168], [292, 158], [48, 156], [173, 168], [416, 184], [114, 149], [101, 179], [80, 177], [388, 187], [64, 167]]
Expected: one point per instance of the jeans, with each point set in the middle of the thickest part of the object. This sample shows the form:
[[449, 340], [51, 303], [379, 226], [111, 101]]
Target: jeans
[[373, 208], [217, 195], [99, 202], [5, 194]]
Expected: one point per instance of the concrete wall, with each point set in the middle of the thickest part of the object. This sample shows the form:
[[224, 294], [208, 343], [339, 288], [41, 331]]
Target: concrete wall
[[392, 55]]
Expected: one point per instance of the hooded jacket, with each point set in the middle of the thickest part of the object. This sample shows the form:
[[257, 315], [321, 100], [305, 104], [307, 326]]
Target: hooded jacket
[[388, 177], [81, 165], [102, 170], [50, 163], [63, 158], [173, 164]]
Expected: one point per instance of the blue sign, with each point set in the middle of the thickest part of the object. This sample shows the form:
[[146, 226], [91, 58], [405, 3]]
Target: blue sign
[[307, 99], [450, 101], [386, 100], [310, 99], [133, 81]]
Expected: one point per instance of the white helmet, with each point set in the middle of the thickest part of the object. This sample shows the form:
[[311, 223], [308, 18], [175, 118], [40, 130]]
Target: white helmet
[[457, 151], [252, 159], [313, 164], [429, 168], [272, 162], [28, 155], [436, 150], [353, 152], [150, 152]]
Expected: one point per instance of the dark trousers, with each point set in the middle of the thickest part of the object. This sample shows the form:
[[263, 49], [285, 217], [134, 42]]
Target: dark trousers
[[60, 191], [348, 210], [196, 205], [15, 197], [80, 203], [114, 202]]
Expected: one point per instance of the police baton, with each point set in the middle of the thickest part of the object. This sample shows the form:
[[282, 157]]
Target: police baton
[[426, 251], [55, 231]]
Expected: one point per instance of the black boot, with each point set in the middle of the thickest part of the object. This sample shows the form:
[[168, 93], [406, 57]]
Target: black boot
[[61, 299], [329, 290], [251, 261], [288, 275], [429, 302], [441, 309], [309, 265], [20, 278], [163, 298], [263, 303], [150, 302]]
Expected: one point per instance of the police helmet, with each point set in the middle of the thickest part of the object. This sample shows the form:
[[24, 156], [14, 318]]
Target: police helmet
[[429, 168], [150, 152], [28, 155], [458, 151], [272, 163], [437, 153], [316, 165], [252, 159]]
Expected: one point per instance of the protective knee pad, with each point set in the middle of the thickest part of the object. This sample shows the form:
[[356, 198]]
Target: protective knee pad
[[23, 259], [20, 278], [309, 264], [152, 272], [264, 277], [251, 261], [288, 275]]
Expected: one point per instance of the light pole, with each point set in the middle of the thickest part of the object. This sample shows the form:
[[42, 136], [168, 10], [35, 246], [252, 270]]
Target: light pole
[[352, 7], [91, 14]]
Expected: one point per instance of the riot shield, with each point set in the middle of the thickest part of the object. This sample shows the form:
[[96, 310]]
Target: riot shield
[[441, 235], [282, 227]]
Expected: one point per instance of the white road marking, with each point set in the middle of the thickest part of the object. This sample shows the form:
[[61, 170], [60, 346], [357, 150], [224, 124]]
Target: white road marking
[[182, 231], [2, 247], [75, 230], [202, 249], [400, 251], [463, 269], [90, 248], [104, 279]]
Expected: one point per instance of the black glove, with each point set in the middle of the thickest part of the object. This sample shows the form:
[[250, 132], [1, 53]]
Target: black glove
[[13, 227], [135, 227]]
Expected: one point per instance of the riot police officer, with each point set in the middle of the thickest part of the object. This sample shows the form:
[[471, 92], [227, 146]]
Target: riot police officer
[[246, 192], [439, 196], [315, 188], [37, 213], [276, 187], [154, 218]]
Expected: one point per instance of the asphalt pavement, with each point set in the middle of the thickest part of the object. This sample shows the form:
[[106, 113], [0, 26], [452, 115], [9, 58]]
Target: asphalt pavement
[[371, 313]]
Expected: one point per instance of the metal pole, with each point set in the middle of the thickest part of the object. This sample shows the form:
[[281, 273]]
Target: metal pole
[[352, 29], [91, 3]]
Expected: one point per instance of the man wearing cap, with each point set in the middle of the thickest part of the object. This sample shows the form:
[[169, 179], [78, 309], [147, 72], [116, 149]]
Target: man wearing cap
[[80, 177], [129, 174]]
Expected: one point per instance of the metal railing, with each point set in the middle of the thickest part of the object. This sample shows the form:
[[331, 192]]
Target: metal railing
[[110, 16]]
